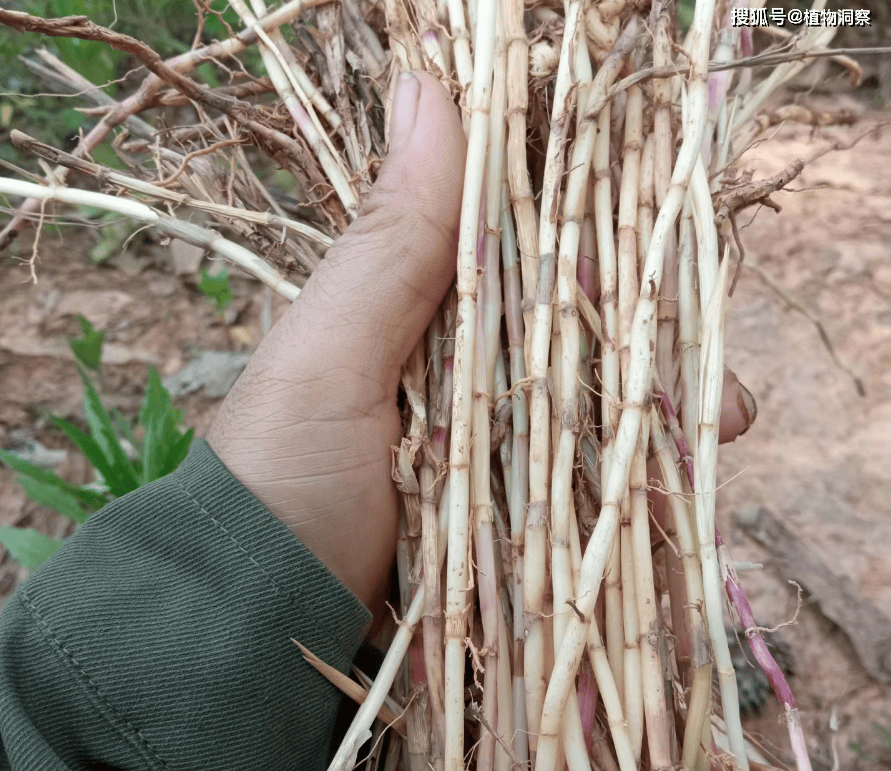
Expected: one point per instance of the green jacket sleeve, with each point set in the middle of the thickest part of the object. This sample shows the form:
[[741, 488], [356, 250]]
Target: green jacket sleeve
[[159, 637]]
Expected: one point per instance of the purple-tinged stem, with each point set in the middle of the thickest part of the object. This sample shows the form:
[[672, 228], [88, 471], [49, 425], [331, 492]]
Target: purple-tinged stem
[[677, 433], [587, 694], [764, 657], [740, 602]]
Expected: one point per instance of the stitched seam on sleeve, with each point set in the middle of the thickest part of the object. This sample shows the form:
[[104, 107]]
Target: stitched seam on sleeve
[[57, 643], [291, 598]]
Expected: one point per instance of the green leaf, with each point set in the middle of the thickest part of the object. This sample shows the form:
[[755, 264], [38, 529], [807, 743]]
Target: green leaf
[[90, 498], [113, 236], [685, 13], [216, 288], [284, 180], [162, 444], [119, 481], [105, 155], [71, 119], [54, 498], [155, 417], [27, 546], [177, 453], [207, 73], [87, 349], [103, 433]]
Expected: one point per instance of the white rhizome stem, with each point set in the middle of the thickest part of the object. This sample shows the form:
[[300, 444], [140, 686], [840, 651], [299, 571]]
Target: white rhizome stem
[[457, 573]]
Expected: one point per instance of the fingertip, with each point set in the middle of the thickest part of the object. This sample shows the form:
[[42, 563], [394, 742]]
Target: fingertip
[[738, 408]]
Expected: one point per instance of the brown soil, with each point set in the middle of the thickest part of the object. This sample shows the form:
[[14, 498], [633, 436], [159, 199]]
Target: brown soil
[[818, 456]]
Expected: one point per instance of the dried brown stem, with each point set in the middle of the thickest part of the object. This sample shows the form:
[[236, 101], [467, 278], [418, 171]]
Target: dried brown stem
[[149, 88]]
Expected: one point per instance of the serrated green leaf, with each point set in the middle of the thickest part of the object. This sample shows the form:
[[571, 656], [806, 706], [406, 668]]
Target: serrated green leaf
[[155, 409], [161, 445], [123, 426], [27, 546], [216, 288], [103, 433], [86, 444], [119, 483], [177, 452], [54, 498], [89, 498], [87, 349]]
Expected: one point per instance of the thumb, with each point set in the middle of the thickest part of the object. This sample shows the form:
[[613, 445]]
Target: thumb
[[371, 298]]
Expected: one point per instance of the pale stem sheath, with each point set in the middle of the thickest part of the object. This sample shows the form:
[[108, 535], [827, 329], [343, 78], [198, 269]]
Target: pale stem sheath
[[664, 147], [517, 167], [555, 722], [688, 328], [609, 378], [629, 289], [494, 180], [711, 377], [519, 490], [631, 660], [482, 513], [464, 62], [652, 640], [705, 469], [506, 723], [706, 233], [498, 667], [417, 739], [565, 365], [457, 578], [645, 204], [629, 285], [606, 683], [432, 620], [534, 576]]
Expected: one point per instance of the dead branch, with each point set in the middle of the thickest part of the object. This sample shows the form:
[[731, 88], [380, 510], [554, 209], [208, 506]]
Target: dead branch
[[108, 176], [144, 96], [737, 195], [252, 118]]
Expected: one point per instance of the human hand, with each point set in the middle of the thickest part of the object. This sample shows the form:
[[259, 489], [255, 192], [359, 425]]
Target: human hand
[[309, 425]]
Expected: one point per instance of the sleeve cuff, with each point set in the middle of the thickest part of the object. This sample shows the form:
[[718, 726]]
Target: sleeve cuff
[[241, 518], [169, 617]]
